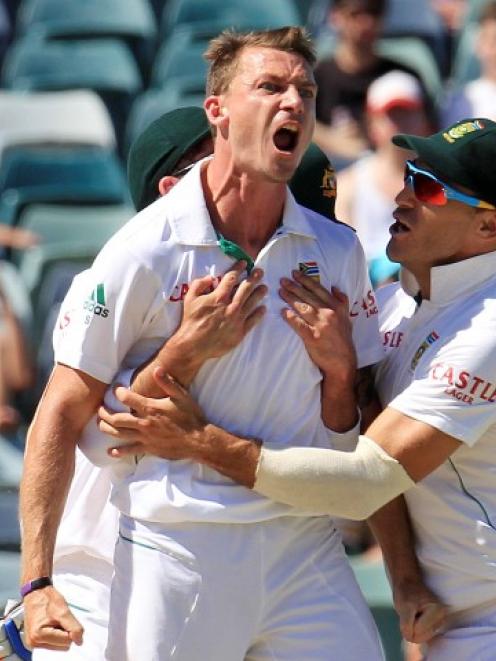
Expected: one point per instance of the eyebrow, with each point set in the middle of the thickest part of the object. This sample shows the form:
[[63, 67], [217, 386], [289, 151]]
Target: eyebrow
[[301, 82]]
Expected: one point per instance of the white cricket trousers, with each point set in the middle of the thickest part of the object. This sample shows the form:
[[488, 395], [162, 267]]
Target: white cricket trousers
[[84, 581], [279, 590]]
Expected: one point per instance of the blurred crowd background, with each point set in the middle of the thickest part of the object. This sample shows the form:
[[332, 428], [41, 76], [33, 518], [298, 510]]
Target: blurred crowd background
[[80, 79]]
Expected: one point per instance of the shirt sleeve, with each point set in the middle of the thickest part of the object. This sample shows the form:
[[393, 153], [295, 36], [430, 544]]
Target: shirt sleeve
[[104, 313], [363, 310], [455, 391]]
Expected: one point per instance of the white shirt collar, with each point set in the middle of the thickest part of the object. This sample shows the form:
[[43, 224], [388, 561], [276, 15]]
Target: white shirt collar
[[190, 221], [451, 281]]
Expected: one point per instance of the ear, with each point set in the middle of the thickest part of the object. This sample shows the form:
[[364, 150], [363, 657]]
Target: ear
[[487, 223], [166, 183], [217, 113]]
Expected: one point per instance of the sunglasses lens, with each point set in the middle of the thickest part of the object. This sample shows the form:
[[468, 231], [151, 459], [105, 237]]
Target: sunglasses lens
[[427, 189]]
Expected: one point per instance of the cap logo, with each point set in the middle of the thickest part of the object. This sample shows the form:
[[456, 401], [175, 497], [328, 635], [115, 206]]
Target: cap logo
[[460, 130], [328, 185]]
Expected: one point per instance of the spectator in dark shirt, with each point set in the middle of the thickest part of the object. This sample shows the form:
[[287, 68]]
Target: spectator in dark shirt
[[344, 77]]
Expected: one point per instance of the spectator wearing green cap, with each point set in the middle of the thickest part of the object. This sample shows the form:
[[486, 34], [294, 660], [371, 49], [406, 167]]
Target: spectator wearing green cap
[[435, 440]]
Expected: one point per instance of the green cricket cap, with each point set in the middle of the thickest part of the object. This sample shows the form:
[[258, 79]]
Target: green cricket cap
[[464, 154], [314, 182], [157, 151]]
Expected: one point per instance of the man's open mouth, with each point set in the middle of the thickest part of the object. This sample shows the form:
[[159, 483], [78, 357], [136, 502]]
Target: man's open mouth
[[399, 228], [286, 139]]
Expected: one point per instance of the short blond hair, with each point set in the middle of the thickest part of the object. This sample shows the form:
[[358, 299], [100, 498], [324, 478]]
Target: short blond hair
[[223, 51]]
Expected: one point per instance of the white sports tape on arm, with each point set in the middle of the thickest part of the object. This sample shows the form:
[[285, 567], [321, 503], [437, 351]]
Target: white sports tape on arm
[[348, 484]]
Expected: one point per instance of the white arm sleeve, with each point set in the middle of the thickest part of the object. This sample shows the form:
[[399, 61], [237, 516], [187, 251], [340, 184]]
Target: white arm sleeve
[[345, 441], [348, 484]]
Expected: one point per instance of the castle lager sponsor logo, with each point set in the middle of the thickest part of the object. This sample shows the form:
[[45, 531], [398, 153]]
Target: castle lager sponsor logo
[[366, 305], [462, 385], [430, 339], [392, 339]]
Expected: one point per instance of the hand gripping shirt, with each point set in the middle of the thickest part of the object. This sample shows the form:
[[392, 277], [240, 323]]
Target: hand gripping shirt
[[440, 368], [119, 312]]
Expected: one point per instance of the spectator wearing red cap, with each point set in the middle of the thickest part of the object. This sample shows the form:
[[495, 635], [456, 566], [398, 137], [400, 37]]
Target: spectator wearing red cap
[[367, 188]]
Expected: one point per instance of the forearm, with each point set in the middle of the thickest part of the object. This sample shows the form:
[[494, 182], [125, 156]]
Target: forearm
[[393, 531], [339, 404], [352, 485], [70, 399], [348, 484], [17, 359], [176, 360], [48, 470]]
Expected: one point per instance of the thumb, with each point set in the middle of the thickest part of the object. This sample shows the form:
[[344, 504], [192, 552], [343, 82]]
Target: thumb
[[169, 385]]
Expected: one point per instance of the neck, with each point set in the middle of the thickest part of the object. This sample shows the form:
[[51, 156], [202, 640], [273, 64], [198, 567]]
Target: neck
[[243, 209]]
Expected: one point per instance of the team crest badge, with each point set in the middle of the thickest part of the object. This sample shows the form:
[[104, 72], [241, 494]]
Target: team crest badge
[[328, 185], [311, 269]]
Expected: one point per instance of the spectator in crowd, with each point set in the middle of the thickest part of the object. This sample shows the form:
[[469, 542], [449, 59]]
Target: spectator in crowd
[[477, 97], [344, 76], [16, 367], [367, 188]]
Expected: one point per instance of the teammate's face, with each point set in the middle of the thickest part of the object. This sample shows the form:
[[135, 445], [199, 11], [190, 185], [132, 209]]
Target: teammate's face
[[425, 235], [270, 112]]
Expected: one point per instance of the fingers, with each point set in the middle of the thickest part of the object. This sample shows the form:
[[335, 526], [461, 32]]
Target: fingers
[[130, 399], [200, 286], [49, 637], [49, 622], [230, 280], [303, 302], [254, 318], [248, 288], [130, 449], [296, 322], [420, 624], [169, 385], [428, 622], [121, 429], [72, 627], [329, 299]]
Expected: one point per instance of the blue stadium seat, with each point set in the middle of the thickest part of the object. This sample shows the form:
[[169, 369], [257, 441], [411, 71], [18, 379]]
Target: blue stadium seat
[[63, 176], [69, 118], [234, 13], [29, 167], [130, 20], [175, 61], [105, 66]]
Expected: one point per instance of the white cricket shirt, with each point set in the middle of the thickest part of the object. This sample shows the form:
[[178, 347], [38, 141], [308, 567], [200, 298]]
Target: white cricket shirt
[[440, 368], [122, 309]]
